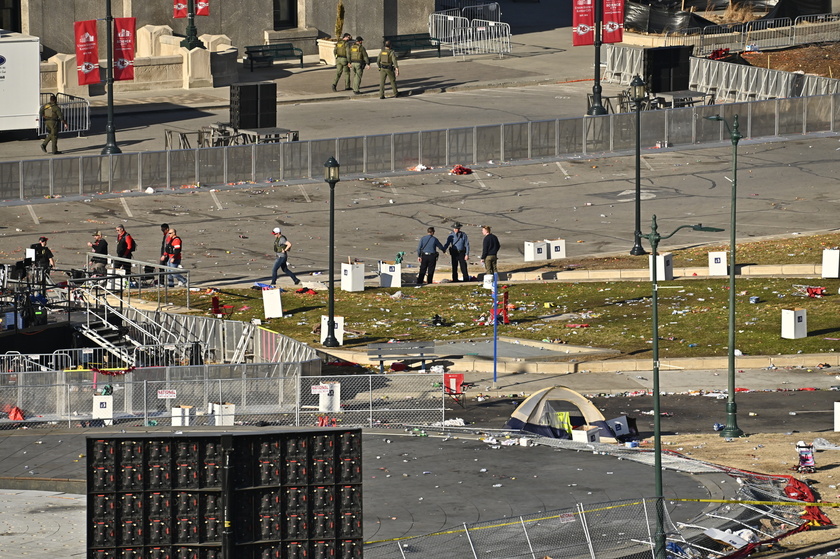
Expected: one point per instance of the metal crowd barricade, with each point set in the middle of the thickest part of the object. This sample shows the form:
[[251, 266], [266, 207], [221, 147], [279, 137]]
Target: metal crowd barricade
[[76, 111], [446, 26], [768, 33], [483, 37], [816, 28], [490, 12]]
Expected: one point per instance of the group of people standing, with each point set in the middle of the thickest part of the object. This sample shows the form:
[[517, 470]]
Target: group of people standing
[[458, 245], [352, 56], [170, 252]]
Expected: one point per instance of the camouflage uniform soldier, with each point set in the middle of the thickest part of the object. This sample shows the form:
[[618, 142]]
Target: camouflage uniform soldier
[[51, 115], [387, 62], [340, 51], [358, 60]]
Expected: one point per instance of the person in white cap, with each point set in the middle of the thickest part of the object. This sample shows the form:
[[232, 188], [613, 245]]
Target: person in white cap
[[282, 246]]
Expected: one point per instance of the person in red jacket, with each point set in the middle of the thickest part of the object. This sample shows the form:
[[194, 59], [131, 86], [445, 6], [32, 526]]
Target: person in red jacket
[[172, 257], [125, 248]]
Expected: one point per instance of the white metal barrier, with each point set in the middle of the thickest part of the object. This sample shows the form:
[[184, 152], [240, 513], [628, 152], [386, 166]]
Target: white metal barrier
[[446, 26], [768, 33], [483, 37], [488, 12], [76, 112]]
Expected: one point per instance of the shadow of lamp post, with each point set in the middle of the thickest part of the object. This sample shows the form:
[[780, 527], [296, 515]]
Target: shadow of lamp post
[[638, 92], [654, 237], [731, 430], [331, 176]]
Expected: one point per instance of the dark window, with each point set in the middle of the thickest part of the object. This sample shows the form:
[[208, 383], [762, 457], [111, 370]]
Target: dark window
[[10, 15], [285, 14]]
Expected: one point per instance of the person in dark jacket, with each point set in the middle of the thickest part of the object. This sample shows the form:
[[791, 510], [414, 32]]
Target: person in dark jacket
[[43, 255], [164, 228], [99, 246], [490, 250]]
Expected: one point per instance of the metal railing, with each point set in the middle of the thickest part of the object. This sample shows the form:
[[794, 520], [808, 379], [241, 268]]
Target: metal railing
[[87, 358], [76, 112], [266, 393], [482, 37], [389, 153]]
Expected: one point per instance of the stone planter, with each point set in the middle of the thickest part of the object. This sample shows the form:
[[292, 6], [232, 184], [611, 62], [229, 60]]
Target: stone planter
[[326, 51]]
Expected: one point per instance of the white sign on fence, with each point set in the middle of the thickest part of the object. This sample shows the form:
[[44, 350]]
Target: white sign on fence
[[167, 394], [321, 388]]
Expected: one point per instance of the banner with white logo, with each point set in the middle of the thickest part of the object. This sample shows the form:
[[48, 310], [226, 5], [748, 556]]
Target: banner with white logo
[[202, 7], [87, 52], [124, 37], [583, 22], [613, 30], [180, 9]]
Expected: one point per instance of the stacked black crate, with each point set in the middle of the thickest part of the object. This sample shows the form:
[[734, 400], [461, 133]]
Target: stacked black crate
[[290, 494]]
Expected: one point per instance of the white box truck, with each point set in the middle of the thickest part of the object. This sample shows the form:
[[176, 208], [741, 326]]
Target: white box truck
[[20, 81]]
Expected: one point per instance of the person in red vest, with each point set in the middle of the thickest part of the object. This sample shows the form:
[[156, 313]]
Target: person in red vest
[[172, 257], [125, 248]]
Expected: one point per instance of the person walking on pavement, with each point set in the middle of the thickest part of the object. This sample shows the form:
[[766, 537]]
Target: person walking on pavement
[[427, 255], [358, 60], [43, 255], [53, 118], [164, 228], [458, 245], [387, 62], [490, 250], [172, 257], [98, 246], [282, 246], [342, 46], [125, 248]]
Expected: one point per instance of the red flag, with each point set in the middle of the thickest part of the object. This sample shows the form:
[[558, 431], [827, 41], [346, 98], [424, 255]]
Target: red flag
[[613, 29], [87, 52], [124, 37], [180, 9], [583, 22], [202, 7]]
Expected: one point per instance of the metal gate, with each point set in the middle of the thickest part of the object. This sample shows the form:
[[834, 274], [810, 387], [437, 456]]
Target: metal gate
[[76, 111], [483, 37]]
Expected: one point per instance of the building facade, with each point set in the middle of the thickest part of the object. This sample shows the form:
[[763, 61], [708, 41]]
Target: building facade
[[246, 22]]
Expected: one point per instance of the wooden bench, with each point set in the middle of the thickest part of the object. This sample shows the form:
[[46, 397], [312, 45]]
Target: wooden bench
[[269, 53], [402, 44], [416, 350]]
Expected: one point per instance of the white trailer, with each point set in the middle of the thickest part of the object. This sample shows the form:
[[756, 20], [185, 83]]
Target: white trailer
[[20, 81]]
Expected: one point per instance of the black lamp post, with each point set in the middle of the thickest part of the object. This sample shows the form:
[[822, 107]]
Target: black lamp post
[[731, 430], [192, 41], [331, 176], [654, 237], [638, 93], [111, 146], [597, 107]]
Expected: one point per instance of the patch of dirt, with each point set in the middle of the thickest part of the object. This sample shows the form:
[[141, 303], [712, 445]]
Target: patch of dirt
[[819, 60]]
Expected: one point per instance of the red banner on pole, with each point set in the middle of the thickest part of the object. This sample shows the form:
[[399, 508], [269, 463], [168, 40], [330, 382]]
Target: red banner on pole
[[202, 7], [583, 22], [613, 30], [87, 52], [180, 9], [124, 37]]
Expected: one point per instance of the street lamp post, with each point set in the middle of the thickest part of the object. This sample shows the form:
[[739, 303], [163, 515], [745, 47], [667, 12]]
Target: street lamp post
[[597, 107], [191, 41], [731, 430], [654, 237], [111, 146], [331, 176], [638, 92]]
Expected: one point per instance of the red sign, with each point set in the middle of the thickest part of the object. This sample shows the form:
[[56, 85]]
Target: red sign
[[613, 29], [583, 22], [202, 7], [87, 52], [124, 37], [180, 8]]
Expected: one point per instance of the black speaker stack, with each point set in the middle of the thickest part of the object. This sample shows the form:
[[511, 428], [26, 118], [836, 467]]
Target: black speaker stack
[[253, 105], [667, 68], [289, 494]]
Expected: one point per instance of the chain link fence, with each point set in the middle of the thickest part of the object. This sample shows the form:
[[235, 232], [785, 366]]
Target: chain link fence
[[243, 394]]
